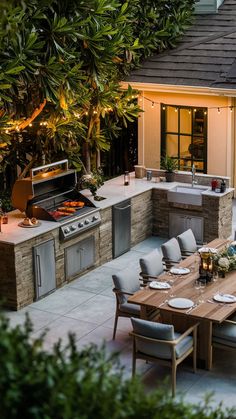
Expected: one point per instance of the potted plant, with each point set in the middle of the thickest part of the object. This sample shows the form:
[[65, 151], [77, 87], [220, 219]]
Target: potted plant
[[169, 164], [92, 181]]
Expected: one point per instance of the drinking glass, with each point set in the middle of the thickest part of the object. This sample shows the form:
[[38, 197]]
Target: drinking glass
[[197, 286], [215, 276], [202, 287]]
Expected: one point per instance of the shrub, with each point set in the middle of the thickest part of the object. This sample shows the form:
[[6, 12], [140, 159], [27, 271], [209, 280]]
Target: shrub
[[70, 384]]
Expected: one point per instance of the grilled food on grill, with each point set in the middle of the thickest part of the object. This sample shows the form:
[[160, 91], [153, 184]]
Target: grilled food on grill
[[66, 209], [73, 204]]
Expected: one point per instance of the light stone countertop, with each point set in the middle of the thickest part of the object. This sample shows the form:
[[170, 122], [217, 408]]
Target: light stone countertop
[[113, 190]]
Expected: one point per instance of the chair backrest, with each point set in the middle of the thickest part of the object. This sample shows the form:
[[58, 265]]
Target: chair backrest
[[171, 251], [151, 264], [126, 280], [145, 328], [187, 241]]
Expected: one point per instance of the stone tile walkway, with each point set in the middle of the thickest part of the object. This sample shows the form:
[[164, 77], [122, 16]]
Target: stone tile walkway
[[86, 307]]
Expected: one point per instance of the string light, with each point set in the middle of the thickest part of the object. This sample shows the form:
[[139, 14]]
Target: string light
[[153, 102], [176, 109], [218, 110]]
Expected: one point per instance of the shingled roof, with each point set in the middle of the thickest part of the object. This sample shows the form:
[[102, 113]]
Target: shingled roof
[[206, 56]]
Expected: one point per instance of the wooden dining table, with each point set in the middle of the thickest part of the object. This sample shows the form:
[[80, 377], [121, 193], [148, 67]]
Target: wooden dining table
[[154, 303]]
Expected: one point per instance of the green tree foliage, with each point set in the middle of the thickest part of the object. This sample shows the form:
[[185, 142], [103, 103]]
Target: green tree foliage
[[67, 384], [61, 62]]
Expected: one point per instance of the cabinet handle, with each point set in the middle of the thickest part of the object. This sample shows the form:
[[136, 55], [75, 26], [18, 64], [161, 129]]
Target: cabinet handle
[[39, 271], [122, 209]]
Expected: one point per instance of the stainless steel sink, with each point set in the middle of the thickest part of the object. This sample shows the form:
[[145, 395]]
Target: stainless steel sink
[[186, 194]]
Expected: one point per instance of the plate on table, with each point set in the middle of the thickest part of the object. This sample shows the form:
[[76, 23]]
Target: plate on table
[[180, 303], [179, 271], [159, 285], [21, 224], [224, 298], [207, 250]]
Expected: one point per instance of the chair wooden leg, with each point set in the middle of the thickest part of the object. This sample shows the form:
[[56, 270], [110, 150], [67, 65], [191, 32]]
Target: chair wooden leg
[[134, 358], [174, 368], [115, 326], [195, 350]]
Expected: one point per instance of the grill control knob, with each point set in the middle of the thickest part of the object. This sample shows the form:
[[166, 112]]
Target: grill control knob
[[66, 230], [86, 221], [72, 227], [81, 224], [95, 218]]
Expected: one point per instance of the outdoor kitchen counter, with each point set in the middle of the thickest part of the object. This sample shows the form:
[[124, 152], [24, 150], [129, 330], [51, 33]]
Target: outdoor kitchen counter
[[113, 191]]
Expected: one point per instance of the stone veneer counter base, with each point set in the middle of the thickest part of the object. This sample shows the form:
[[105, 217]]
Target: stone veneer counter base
[[149, 215]]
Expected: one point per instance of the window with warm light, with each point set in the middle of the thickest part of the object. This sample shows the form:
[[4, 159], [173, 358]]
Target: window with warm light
[[184, 136]]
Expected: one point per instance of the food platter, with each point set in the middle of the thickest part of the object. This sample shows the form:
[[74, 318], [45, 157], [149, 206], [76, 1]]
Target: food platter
[[21, 224]]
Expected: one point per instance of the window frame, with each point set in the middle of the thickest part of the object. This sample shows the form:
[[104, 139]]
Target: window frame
[[179, 134]]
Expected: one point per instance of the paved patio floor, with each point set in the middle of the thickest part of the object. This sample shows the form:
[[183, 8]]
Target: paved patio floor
[[86, 307]]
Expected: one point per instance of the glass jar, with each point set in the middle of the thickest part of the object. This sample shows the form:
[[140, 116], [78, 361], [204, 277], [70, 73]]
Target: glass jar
[[4, 218]]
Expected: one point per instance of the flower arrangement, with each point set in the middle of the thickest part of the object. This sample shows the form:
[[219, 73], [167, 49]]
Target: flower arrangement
[[92, 181], [225, 260]]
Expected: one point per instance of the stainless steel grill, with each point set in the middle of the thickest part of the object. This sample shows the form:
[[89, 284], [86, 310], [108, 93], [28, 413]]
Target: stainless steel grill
[[50, 194]]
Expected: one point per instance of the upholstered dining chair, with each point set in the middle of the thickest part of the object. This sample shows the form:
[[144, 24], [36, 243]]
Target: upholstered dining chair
[[224, 334], [158, 342], [171, 252], [126, 283], [151, 265], [187, 243]]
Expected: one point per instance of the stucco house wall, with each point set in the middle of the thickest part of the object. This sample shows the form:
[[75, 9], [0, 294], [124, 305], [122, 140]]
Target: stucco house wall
[[220, 128]]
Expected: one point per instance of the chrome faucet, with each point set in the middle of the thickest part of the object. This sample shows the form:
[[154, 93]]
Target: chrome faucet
[[194, 182]]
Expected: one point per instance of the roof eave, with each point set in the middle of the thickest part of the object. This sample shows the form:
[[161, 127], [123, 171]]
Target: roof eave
[[196, 90]]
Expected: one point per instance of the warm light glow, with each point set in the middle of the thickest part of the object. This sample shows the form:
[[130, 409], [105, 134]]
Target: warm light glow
[[218, 110], [152, 105]]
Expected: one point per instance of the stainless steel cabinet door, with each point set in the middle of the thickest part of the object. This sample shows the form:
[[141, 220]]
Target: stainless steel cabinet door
[[121, 228], [44, 268], [79, 256]]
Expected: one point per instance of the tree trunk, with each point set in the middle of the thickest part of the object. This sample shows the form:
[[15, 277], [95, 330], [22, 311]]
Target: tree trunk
[[87, 159]]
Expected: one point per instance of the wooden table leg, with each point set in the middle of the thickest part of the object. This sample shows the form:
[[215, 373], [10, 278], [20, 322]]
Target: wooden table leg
[[149, 313]]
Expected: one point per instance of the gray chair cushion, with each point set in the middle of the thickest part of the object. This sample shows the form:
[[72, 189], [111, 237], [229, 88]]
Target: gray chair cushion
[[171, 250], [126, 280], [131, 309], [224, 342], [151, 264], [187, 241], [225, 333], [159, 331]]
